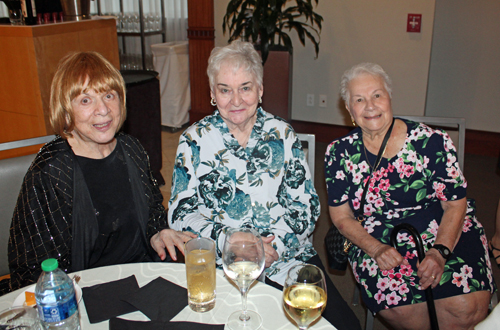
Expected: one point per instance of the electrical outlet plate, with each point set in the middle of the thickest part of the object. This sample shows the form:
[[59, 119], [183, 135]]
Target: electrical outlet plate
[[310, 100]]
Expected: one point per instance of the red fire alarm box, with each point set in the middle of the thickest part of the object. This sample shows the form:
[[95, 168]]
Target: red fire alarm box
[[414, 23]]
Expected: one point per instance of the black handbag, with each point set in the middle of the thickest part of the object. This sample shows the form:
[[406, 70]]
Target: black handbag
[[337, 246], [334, 242]]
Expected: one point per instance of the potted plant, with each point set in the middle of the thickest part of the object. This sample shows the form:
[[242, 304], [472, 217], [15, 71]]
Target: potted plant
[[266, 22]]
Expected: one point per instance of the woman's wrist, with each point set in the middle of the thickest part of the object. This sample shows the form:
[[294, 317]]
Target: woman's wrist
[[443, 250]]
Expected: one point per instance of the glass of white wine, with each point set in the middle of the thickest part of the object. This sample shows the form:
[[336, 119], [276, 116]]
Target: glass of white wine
[[304, 294], [243, 260]]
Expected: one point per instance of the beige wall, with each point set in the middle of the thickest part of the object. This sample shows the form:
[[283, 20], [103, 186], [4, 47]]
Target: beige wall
[[464, 78], [353, 32]]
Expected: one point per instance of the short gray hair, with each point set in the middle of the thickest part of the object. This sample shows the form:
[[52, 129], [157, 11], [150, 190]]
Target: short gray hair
[[240, 54], [359, 69]]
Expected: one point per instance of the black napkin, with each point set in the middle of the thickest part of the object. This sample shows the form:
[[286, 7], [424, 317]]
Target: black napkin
[[104, 301], [160, 300], [121, 324]]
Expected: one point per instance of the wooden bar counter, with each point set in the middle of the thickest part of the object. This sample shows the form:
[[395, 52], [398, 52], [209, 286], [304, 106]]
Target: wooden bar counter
[[28, 61]]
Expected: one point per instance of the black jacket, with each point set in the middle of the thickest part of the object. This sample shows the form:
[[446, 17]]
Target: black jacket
[[54, 216]]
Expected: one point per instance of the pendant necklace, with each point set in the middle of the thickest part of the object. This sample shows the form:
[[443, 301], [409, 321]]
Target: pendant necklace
[[379, 160]]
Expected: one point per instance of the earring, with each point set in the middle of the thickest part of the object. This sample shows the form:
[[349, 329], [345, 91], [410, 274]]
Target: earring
[[260, 99], [353, 122], [213, 102]]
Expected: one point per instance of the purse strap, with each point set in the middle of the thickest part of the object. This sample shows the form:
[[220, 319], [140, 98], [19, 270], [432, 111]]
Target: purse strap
[[377, 162]]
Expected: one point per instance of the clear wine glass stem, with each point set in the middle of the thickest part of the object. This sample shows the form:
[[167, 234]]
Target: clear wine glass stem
[[244, 316]]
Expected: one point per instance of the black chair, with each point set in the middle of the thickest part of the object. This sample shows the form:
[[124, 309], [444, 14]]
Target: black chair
[[144, 114]]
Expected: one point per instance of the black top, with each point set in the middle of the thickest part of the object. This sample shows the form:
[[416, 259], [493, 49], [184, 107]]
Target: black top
[[120, 240]]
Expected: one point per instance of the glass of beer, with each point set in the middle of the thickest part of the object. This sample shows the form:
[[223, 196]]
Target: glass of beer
[[200, 273], [304, 294]]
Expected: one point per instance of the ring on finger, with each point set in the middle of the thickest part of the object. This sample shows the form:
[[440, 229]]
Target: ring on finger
[[433, 277]]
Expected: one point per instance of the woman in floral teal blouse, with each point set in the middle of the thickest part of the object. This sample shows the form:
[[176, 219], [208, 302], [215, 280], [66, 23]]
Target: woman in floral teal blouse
[[419, 182], [243, 167]]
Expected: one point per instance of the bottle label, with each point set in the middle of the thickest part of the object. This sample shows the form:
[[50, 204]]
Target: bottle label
[[58, 313]]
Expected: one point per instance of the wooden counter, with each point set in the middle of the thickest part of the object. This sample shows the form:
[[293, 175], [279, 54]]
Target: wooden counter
[[28, 61]]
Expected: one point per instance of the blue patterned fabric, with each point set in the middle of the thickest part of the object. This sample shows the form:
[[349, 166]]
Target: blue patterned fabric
[[267, 186]]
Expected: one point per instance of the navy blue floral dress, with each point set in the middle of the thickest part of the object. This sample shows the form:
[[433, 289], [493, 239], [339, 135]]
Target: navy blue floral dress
[[407, 188]]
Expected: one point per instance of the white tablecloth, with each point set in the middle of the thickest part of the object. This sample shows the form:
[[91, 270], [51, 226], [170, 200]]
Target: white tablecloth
[[264, 299], [171, 61]]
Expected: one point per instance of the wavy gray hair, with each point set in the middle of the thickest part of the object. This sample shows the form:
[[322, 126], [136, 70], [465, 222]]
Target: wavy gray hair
[[359, 69], [240, 54]]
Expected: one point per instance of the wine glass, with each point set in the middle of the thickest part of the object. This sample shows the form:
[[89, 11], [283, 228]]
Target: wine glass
[[304, 294], [243, 260]]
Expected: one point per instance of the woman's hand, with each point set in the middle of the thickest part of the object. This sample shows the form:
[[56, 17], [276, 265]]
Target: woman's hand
[[387, 257], [271, 254], [169, 238], [431, 269]]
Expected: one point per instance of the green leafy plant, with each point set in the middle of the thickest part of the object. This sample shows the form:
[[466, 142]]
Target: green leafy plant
[[266, 23]]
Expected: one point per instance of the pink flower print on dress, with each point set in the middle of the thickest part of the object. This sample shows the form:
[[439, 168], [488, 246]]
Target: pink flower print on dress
[[450, 160], [363, 167], [394, 284], [408, 171], [467, 225], [377, 176], [340, 175], [452, 172], [439, 188], [403, 289], [383, 284], [466, 271], [373, 269], [379, 297], [365, 264], [457, 279], [392, 298], [384, 185], [405, 270]]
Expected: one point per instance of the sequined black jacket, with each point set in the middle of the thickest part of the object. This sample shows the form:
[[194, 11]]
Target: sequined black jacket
[[54, 214]]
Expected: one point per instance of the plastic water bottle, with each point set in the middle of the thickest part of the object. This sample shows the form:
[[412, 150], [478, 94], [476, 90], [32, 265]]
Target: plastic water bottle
[[56, 299]]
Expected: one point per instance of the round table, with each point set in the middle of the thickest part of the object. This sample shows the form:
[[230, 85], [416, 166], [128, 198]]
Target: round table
[[264, 299]]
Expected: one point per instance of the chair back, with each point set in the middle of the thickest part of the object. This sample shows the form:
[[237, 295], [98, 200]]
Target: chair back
[[12, 172], [455, 127], [309, 150]]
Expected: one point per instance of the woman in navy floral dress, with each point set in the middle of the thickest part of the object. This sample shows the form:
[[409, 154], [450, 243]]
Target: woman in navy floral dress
[[419, 182]]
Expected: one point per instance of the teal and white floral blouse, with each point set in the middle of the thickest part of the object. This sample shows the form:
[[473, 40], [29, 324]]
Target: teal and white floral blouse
[[217, 184]]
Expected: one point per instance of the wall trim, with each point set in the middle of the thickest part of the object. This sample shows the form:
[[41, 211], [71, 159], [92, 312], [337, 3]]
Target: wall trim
[[476, 142]]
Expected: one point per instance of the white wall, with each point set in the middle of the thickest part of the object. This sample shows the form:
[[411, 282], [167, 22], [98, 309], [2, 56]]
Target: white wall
[[358, 31], [464, 78]]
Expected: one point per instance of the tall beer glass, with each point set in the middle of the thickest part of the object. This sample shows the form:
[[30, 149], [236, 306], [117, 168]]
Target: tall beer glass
[[200, 273]]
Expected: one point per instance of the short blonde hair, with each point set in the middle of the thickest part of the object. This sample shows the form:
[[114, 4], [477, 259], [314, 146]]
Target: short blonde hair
[[69, 80]]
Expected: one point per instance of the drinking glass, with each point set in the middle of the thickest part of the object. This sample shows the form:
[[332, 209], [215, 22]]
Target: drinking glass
[[127, 23], [25, 318], [243, 260], [157, 22], [136, 24], [304, 294], [200, 273], [16, 16]]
